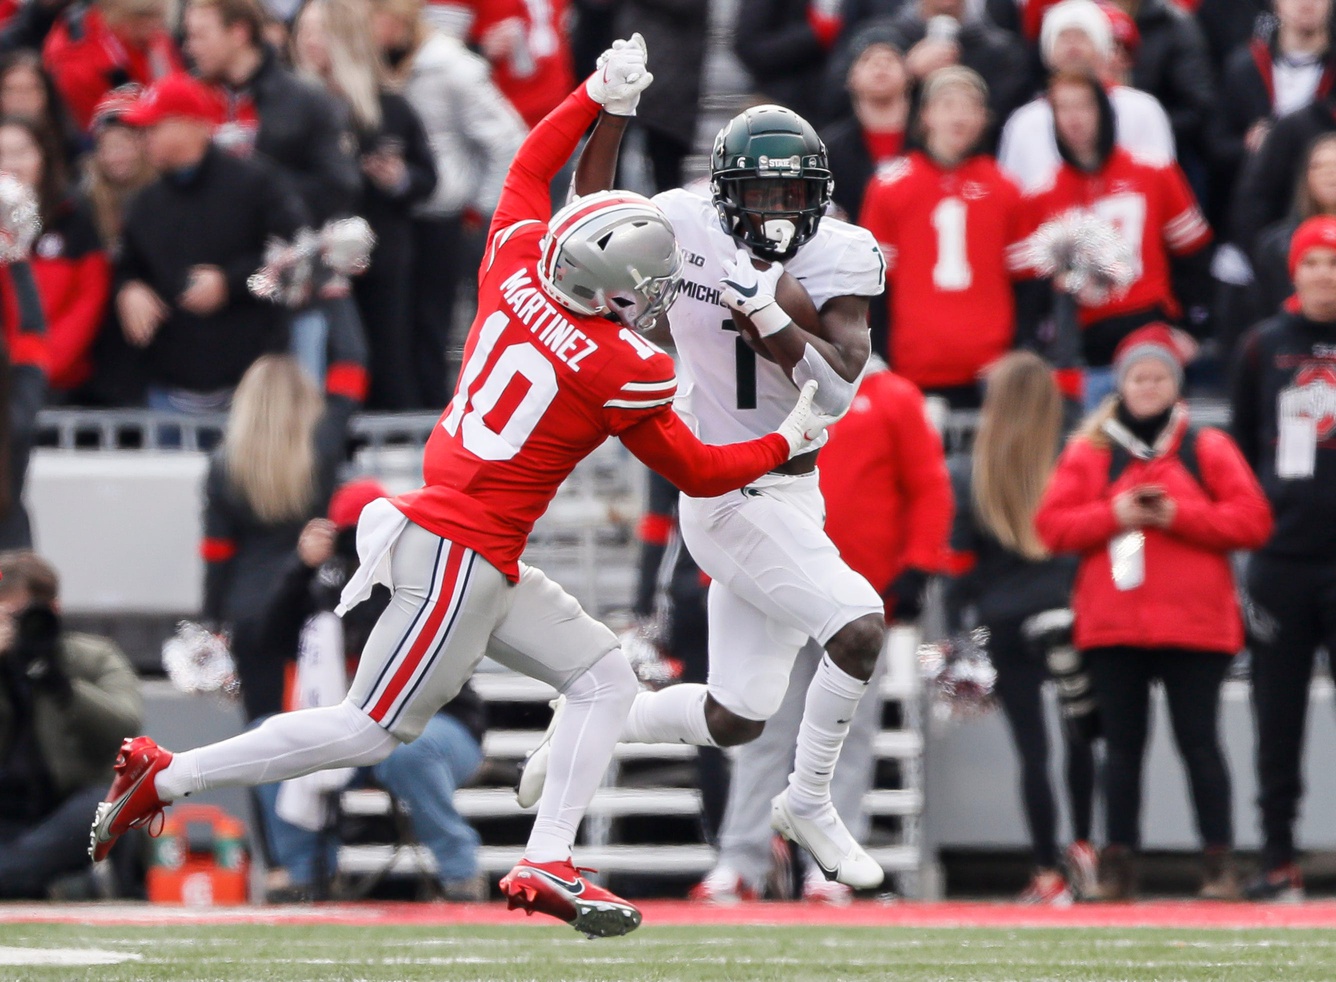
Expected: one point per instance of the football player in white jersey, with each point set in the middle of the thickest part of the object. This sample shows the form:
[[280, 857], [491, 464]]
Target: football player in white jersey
[[776, 579]]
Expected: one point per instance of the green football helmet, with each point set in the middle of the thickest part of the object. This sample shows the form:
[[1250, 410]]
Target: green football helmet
[[771, 180]]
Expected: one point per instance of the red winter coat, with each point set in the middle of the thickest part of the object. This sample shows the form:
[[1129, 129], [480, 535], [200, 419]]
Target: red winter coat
[[883, 475], [1188, 598]]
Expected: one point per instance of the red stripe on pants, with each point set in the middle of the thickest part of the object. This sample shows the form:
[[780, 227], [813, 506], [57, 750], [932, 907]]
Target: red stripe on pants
[[423, 640]]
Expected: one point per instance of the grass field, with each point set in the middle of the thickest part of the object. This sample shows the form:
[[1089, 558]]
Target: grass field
[[533, 951]]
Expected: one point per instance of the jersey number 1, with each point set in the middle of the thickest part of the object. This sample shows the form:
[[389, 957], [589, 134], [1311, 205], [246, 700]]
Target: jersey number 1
[[744, 360], [473, 409], [952, 271]]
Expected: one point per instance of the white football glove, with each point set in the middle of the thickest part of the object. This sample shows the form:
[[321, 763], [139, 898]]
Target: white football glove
[[621, 76], [751, 291], [804, 423]]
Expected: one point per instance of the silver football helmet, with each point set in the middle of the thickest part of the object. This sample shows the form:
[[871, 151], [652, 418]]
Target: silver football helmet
[[612, 252]]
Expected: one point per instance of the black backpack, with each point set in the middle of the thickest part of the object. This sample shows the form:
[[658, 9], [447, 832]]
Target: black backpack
[[1119, 458]]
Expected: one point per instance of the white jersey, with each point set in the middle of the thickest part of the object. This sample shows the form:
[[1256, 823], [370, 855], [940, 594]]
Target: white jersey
[[725, 391]]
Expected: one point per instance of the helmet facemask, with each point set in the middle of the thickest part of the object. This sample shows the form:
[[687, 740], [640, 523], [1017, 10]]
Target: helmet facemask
[[773, 216], [771, 181], [640, 307]]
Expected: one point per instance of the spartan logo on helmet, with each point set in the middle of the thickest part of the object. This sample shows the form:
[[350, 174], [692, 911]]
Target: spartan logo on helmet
[[612, 254], [771, 180]]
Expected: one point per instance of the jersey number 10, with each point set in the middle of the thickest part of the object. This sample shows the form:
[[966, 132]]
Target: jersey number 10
[[473, 409]]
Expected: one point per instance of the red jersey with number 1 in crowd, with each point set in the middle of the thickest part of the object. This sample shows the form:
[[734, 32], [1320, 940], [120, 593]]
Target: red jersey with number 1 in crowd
[[541, 386]]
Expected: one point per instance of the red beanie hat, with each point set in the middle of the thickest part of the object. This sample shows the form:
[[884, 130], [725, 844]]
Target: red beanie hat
[[346, 504], [1172, 346], [1315, 233]]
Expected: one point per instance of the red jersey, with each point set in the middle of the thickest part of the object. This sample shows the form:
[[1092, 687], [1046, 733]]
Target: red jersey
[[541, 386], [947, 236], [883, 476], [534, 77], [1153, 209]]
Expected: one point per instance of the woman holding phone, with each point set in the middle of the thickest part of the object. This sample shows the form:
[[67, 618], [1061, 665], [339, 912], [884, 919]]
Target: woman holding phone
[[332, 43], [1153, 507]]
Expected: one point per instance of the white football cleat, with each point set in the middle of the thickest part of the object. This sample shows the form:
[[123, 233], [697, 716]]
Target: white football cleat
[[533, 772], [828, 841]]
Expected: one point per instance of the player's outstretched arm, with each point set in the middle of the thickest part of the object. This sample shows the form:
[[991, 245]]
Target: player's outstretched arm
[[666, 444], [834, 361], [615, 86], [622, 75]]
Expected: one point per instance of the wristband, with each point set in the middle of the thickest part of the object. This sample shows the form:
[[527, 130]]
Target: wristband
[[770, 319]]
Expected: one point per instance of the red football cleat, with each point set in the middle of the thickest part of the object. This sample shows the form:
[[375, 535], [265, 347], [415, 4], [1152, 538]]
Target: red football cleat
[[558, 890], [133, 800]]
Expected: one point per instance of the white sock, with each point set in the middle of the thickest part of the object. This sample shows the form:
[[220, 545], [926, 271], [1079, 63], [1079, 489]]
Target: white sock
[[283, 746], [672, 715], [831, 700], [582, 745]]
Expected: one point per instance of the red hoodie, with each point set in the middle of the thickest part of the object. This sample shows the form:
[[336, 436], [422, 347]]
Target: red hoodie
[[1188, 599], [883, 475]]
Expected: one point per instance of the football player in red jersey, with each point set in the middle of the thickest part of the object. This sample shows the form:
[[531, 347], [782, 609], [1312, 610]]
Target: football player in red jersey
[[552, 367], [948, 220], [1149, 203]]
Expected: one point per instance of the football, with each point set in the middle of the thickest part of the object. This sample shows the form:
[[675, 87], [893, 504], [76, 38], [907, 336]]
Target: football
[[793, 297]]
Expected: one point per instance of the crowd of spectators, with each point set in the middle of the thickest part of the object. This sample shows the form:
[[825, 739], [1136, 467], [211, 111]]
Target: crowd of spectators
[[167, 144], [407, 112]]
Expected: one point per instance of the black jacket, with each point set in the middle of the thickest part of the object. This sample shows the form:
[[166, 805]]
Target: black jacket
[[1247, 95], [245, 557], [302, 592], [675, 31], [774, 41], [1279, 356], [1226, 24], [992, 52], [1271, 268], [850, 164], [399, 122], [27, 388], [1001, 585], [221, 214], [1265, 190], [301, 130], [1173, 64]]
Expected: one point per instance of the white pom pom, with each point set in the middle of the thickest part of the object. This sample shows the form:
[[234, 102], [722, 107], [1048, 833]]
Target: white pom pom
[[346, 244], [197, 660], [288, 274], [960, 675], [294, 271], [19, 220], [1086, 252]]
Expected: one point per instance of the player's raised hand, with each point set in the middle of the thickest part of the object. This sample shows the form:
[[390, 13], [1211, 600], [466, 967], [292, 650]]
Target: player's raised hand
[[621, 76], [804, 423]]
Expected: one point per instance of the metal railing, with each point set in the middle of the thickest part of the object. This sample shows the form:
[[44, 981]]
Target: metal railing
[[374, 433]]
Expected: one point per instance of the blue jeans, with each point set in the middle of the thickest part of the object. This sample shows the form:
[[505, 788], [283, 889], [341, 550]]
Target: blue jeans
[[34, 854], [422, 775], [308, 335], [1099, 383]]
